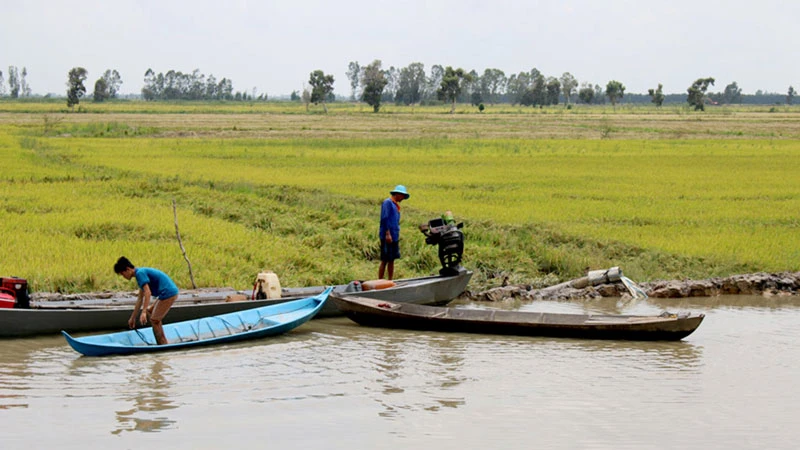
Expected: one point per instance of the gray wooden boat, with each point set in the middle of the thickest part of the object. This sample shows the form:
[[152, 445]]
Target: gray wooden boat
[[387, 314], [50, 317]]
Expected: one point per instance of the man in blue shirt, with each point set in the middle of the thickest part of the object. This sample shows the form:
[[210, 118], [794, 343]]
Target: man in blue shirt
[[389, 231], [151, 282]]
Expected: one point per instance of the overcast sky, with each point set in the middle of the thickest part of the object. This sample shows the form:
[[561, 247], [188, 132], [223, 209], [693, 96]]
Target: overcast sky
[[272, 46]]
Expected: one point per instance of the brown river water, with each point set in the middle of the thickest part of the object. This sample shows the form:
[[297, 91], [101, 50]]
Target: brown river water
[[332, 384]]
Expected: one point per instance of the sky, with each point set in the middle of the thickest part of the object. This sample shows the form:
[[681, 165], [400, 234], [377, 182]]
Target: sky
[[272, 46]]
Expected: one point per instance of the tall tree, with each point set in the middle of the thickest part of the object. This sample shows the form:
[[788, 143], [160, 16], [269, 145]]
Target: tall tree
[[75, 87], [789, 95], [353, 74], [539, 87], [373, 81], [2, 85], [24, 87], [149, 90], [527, 98], [411, 84], [392, 75], [470, 86], [100, 93], [211, 87], [13, 82], [196, 86], [553, 91], [586, 93], [434, 81], [656, 95], [450, 87], [697, 93], [321, 87], [107, 86], [518, 87], [615, 91], [493, 81], [306, 97], [568, 85], [225, 89], [732, 94], [599, 94]]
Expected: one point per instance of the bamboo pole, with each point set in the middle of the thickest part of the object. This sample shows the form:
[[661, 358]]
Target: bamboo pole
[[178, 234]]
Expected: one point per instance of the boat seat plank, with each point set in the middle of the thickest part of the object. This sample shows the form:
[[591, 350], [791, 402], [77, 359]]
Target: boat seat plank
[[615, 321]]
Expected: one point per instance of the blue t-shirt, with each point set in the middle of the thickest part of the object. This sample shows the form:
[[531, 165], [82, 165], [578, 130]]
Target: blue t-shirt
[[390, 220], [161, 286]]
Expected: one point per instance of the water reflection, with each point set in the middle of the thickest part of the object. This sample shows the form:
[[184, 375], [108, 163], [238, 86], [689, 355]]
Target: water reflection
[[407, 364], [728, 301], [436, 372], [150, 400], [682, 355], [415, 371], [22, 361]]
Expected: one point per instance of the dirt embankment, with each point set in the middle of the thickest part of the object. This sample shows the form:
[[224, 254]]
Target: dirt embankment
[[767, 284]]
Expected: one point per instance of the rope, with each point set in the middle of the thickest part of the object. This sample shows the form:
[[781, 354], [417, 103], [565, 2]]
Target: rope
[[141, 336]]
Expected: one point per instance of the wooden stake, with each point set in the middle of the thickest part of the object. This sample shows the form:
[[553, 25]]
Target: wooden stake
[[178, 234]]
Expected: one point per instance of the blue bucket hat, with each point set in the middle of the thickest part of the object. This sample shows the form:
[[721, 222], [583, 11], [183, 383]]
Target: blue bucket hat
[[400, 189]]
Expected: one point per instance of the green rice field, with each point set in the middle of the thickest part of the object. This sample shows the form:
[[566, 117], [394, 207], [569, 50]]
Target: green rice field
[[543, 194]]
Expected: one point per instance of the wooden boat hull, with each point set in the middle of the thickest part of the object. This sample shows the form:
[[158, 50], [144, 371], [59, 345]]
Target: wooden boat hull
[[231, 327], [111, 314], [381, 313]]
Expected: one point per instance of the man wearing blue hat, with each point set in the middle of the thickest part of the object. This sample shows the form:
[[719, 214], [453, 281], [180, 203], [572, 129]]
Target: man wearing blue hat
[[390, 230]]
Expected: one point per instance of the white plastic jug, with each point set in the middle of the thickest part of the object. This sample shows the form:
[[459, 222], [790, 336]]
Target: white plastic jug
[[268, 285]]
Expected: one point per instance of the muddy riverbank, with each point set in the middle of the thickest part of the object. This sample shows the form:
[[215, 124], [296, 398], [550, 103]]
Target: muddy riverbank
[[762, 283]]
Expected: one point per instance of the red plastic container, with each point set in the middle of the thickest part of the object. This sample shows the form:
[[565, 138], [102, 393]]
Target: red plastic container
[[17, 288], [6, 299]]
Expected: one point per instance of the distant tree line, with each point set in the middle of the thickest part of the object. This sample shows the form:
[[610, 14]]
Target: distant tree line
[[408, 85], [176, 85], [413, 85], [17, 83]]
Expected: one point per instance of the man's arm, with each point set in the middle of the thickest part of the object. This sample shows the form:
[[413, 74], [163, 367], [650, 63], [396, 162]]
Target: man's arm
[[139, 299], [146, 296], [385, 223]]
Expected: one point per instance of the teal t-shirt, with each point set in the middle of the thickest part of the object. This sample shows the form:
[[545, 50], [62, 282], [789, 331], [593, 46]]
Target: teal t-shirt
[[161, 286]]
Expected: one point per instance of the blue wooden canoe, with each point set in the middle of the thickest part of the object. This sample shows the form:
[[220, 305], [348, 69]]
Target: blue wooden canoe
[[236, 326]]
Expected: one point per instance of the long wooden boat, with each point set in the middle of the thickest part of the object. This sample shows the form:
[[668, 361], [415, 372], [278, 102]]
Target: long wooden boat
[[50, 317], [236, 326], [386, 314]]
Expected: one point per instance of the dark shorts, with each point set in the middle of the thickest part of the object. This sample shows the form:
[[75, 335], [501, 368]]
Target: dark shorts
[[390, 251]]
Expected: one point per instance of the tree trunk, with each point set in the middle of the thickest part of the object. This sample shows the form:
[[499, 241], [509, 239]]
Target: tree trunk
[[180, 243]]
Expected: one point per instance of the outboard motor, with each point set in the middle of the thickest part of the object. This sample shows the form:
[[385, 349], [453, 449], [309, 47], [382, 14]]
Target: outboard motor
[[445, 233], [19, 286]]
